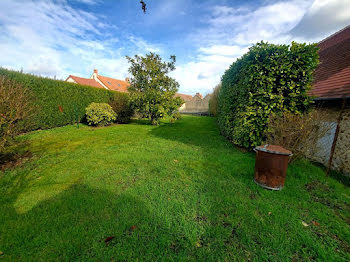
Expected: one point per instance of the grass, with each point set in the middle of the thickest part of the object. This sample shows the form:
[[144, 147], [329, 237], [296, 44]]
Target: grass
[[174, 192]]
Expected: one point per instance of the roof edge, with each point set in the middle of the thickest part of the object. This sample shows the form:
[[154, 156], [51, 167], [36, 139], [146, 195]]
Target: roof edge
[[334, 34], [331, 98]]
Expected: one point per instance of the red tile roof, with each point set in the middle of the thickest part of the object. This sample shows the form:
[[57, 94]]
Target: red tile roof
[[85, 81], [332, 76], [114, 84], [184, 97]]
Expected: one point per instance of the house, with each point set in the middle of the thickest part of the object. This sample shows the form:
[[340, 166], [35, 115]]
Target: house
[[100, 81], [196, 105], [185, 98], [331, 89]]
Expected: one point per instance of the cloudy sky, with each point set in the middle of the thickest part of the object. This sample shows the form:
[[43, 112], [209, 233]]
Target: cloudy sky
[[62, 37]]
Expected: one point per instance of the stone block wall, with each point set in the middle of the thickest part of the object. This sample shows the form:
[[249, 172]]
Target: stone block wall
[[197, 105], [341, 157]]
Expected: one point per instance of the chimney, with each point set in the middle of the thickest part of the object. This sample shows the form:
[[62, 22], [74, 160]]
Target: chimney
[[96, 71], [199, 95], [127, 79]]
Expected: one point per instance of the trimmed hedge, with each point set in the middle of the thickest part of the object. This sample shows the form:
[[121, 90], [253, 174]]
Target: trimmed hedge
[[58, 103], [268, 79], [213, 101]]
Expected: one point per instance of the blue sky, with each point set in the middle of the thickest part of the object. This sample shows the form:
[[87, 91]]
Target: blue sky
[[61, 37]]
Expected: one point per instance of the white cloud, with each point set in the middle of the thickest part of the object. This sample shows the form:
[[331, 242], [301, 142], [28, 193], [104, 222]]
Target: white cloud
[[245, 26], [143, 45], [206, 71], [51, 38], [323, 18], [230, 31], [88, 2], [224, 50]]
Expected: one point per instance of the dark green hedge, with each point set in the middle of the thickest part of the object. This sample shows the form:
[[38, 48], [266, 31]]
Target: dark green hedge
[[268, 79], [58, 103]]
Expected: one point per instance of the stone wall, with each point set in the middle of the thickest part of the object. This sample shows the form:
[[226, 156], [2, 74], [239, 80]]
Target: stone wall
[[197, 105], [341, 157]]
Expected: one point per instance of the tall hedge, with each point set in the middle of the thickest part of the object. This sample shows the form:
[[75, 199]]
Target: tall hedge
[[268, 79], [58, 103], [213, 101]]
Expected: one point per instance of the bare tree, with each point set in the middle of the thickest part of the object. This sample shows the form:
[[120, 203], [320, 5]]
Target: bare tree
[[15, 107]]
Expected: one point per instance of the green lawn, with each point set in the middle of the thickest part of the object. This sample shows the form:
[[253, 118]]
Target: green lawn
[[174, 192]]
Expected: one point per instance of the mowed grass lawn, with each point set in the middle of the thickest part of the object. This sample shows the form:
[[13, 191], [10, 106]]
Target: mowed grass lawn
[[174, 192]]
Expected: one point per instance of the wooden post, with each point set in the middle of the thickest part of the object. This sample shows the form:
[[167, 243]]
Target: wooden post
[[335, 137]]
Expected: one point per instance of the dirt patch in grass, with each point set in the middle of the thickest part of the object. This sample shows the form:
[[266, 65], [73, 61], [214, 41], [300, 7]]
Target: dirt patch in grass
[[13, 160]]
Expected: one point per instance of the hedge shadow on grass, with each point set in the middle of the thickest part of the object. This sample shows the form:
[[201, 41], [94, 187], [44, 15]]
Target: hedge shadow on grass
[[41, 234]]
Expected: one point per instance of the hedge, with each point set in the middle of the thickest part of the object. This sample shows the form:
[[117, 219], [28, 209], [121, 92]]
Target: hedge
[[58, 103], [268, 79], [213, 101]]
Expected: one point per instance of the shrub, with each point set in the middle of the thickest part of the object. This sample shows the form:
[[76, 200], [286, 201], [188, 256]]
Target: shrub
[[59, 103], [175, 116], [121, 105], [100, 114], [299, 133], [15, 107], [213, 101], [268, 79]]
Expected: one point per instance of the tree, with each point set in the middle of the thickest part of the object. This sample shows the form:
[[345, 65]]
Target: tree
[[152, 90]]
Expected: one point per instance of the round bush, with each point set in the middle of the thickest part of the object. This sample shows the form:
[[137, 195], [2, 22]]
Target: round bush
[[100, 114]]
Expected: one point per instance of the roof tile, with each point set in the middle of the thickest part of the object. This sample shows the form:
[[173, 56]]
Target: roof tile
[[332, 76], [114, 84], [85, 81]]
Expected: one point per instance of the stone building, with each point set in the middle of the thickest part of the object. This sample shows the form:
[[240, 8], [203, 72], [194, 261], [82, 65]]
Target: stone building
[[197, 105], [331, 89]]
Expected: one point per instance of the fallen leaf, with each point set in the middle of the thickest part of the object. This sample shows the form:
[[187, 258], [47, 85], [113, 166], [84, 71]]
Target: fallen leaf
[[304, 224], [176, 160], [269, 213], [132, 228], [315, 223], [109, 239]]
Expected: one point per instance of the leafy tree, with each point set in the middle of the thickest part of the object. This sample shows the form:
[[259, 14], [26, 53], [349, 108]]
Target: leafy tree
[[152, 90]]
